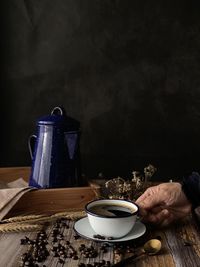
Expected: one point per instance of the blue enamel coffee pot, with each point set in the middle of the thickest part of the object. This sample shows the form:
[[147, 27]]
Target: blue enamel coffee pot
[[55, 151]]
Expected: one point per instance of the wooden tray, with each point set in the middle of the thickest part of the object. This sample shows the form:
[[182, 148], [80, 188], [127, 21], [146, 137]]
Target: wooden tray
[[48, 201]]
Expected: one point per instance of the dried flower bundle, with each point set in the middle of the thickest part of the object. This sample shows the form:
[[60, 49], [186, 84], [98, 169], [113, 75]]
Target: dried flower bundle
[[131, 188]]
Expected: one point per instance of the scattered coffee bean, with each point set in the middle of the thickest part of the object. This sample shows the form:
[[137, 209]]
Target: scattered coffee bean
[[99, 237], [117, 251], [61, 261], [24, 241], [75, 257], [55, 255], [62, 248]]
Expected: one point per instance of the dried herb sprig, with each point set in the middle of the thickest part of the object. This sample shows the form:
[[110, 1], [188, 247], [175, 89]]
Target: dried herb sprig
[[131, 188]]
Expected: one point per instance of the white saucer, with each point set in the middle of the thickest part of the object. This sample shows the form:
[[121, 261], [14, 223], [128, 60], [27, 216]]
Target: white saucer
[[83, 228]]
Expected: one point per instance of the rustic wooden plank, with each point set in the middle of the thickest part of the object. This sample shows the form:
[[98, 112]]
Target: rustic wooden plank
[[164, 258], [10, 249], [173, 254], [181, 239], [51, 201], [9, 174], [48, 201]]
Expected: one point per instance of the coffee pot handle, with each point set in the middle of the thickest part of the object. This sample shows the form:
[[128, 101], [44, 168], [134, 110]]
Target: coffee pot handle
[[58, 111], [31, 144]]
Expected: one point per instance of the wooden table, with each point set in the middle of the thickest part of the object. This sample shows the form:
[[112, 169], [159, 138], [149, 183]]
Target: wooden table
[[180, 247]]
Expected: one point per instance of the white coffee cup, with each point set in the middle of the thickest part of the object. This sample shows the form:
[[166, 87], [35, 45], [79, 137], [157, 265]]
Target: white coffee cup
[[112, 218]]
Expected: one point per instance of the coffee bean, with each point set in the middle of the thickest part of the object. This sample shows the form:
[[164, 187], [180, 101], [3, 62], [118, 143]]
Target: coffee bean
[[117, 251], [55, 255], [129, 250], [24, 256], [81, 249], [104, 245], [60, 236], [101, 237], [94, 254], [63, 249], [23, 241], [61, 261], [75, 257], [61, 253]]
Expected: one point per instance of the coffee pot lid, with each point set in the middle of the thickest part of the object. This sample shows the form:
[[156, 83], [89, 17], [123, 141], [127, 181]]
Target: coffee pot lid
[[59, 118]]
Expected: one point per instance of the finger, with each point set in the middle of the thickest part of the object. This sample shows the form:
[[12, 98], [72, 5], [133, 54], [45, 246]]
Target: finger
[[142, 197], [167, 221], [146, 194], [152, 201], [142, 212], [158, 209], [158, 217]]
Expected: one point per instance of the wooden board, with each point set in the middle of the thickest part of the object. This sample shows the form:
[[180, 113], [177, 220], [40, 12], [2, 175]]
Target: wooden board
[[51, 201], [180, 247], [48, 200], [13, 173]]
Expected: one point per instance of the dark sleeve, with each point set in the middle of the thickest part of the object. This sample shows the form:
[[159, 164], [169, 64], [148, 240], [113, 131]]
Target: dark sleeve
[[191, 188]]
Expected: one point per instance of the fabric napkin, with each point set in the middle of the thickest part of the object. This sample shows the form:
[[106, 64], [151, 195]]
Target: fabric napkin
[[10, 193]]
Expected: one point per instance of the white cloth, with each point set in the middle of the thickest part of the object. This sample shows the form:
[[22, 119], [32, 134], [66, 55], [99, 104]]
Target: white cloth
[[10, 193]]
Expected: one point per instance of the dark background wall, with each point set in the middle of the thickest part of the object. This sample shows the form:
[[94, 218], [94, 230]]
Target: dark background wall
[[129, 71]]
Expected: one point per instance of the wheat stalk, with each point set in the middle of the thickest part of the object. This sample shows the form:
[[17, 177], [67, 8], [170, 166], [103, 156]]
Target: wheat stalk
[[19, 227], [73, 215], [34, 222], [40, 219], [67, 215], [22, 218]]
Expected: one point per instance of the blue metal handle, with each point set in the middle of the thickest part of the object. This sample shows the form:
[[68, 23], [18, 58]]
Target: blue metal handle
[[31, 144]]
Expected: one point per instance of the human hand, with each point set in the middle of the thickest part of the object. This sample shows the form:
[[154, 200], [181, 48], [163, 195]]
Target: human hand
[[163, 204]]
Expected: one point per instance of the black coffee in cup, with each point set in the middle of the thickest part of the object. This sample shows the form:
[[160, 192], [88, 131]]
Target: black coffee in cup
[[111, 210]]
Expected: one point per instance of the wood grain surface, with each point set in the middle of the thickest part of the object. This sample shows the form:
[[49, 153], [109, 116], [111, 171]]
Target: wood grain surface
[[9, 174], [53, 200], [180, 247]]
